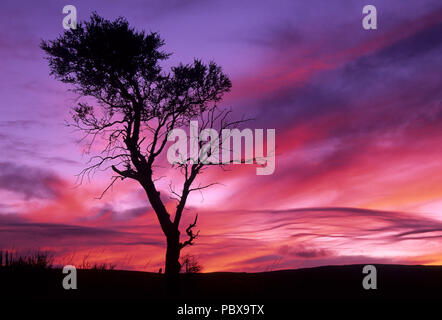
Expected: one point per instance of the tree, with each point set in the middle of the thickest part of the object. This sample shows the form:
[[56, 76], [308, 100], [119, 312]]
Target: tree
[[190, 264], [137, 105]]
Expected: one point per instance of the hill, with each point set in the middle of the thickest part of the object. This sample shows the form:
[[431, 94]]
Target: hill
[[328, 282]]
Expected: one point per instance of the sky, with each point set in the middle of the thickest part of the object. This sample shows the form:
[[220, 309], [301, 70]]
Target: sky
[[358, 121]]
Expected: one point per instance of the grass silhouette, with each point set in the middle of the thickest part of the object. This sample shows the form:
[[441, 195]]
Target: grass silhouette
[[36, 259]]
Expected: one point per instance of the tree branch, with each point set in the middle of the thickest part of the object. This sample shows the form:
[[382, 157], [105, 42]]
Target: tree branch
[[189, 231]]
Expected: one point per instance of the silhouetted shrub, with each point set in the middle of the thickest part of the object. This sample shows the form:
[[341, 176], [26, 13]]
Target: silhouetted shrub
[[86, 264], [33, 260]]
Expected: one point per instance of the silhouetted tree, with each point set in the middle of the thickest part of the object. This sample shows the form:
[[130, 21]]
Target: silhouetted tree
[[136, 105], [190, 264]]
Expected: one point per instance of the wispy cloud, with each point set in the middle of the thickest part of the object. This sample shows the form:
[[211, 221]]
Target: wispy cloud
[[31, 182]]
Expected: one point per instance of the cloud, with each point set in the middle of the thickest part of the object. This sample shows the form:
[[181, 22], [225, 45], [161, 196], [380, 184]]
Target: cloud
[[20, 232], [303, 252], [27, 147], [19, 124], [31, 182], [260, 259], [294, 87], [433, 233], [279, 37], [107, 211]]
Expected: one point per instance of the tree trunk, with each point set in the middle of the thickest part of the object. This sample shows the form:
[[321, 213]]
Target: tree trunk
[[173, 265]]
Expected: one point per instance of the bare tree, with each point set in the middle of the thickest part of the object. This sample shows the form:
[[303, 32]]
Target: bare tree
[[190, 264], [136, 105]]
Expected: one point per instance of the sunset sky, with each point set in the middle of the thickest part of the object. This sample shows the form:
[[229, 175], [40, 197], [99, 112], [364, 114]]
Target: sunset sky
[[358, 120]]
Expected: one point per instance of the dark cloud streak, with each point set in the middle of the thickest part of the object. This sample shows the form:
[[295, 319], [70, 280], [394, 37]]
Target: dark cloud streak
[[31, 182]]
